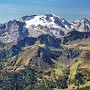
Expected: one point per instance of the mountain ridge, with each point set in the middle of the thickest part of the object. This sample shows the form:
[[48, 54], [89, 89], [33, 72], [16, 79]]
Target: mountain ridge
[[34, 26]]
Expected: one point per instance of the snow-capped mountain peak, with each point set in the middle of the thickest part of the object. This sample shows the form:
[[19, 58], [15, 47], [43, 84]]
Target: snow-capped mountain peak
[[42, 19], [36, 25], [48, 23], [85, 20], [82, 25]]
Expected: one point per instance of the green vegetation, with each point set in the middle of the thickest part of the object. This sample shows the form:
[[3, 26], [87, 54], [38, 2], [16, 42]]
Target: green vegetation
[[79, 79], [26, 70], [62, 82], [27, 80], [85, 88], [18, 80]]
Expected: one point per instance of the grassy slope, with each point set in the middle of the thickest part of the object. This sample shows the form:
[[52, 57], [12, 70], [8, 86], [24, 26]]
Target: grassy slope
[[82, 45], [22, 59], [27, 53]]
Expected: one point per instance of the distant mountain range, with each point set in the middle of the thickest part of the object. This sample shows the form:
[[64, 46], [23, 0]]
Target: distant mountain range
[[34, 26]]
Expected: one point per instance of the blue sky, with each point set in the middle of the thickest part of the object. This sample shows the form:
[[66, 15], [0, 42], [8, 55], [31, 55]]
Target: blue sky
[[68, 9]]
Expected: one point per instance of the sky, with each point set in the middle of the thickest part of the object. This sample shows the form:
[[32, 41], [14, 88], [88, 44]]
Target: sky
[[68, 9]]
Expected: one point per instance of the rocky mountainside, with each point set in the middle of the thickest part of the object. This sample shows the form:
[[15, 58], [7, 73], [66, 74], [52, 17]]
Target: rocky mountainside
[[34, 26], [12, 31], [47, 34], [75, 35], [44, 53], [82, 25]]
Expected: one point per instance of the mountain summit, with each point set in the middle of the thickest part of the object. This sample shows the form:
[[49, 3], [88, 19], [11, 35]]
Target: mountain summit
[[82, 25]]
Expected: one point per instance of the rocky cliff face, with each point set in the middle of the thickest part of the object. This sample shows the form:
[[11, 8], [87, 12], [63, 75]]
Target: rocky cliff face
[[75, 35], [12, 31], [49, 40]]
